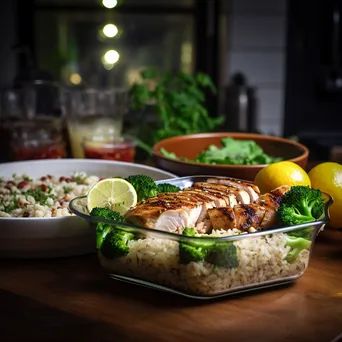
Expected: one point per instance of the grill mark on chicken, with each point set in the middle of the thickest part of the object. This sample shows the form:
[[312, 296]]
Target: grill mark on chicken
[[215, 192], [271, 201], [252, 190], [248, 216], [243, 217], [241, 195], [228, 197], [222, 218]]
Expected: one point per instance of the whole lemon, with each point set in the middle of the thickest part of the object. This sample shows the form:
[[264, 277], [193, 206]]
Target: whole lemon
[[281, 173], [328, 178]]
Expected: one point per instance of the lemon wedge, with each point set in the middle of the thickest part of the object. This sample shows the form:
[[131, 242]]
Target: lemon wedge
[[114, 193]]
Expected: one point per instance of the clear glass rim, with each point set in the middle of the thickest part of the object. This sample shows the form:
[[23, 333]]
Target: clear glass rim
[[174, 236]]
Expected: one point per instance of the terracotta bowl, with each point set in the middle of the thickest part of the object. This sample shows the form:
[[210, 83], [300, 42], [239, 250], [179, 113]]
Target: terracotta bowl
[[189, 146]]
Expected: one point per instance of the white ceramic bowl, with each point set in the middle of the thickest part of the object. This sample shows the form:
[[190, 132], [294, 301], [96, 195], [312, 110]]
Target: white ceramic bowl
[[59, 236]]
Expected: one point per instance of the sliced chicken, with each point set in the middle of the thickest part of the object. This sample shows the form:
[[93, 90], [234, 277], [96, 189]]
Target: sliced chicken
[[222, 218], [241, 195], [252, 190], [271, 201], [248, 216], [165, 214], [227, 196], [174, 211], [209, 201], [222, 199], [245, 217], [218, 204]]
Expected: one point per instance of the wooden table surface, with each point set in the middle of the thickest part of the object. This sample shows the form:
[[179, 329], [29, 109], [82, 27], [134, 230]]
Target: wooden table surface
[[72, 299]]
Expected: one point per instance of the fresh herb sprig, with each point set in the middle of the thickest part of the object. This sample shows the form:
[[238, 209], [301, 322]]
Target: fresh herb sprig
[[177, 100]]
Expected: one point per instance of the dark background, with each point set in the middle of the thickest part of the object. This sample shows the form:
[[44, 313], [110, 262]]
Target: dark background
[[313, 87]]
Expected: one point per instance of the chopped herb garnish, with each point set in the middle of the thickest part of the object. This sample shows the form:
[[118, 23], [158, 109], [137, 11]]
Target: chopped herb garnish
[[14, 206], [39, 195], [78, 179], [67, 189]]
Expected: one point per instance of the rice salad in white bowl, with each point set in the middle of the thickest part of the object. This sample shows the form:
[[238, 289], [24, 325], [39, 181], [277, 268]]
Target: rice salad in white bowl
[[47, 196], [35, 220]]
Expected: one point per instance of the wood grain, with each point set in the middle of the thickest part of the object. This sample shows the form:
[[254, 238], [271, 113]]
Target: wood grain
[[72, 299]]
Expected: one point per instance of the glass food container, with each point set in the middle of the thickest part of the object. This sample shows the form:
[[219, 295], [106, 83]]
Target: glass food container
[[246, 262]]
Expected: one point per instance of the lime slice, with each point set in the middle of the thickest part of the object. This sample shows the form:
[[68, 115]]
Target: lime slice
[[113, 193]]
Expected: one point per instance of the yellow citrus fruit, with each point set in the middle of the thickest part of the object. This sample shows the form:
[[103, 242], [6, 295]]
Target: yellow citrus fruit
[[113, 193], [328, 178], [281, 173]]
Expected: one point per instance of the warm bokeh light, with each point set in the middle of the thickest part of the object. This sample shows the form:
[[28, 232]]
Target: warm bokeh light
[[109, 3], [75, 78], [111, 56], [110, 30]]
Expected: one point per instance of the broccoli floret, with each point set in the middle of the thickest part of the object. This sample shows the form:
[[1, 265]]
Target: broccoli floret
[[144, 186], [107, 214], [188, 253], [305, 233], [300, 204], [102, 229], [147, 192], [220, 254], [297, 244], [115, 244], [193, 250], [165, 187], [223, 254]]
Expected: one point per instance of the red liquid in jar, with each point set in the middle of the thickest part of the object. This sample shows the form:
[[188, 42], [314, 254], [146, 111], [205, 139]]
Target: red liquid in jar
[[120, 152], [40, 152]]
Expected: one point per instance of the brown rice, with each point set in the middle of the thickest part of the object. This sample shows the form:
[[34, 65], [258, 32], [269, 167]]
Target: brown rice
[[261, 259]]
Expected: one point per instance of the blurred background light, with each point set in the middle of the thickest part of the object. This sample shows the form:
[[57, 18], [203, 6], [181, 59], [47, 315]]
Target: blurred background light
[[110, 30], [111, 56], [109, 3], [75, 78]]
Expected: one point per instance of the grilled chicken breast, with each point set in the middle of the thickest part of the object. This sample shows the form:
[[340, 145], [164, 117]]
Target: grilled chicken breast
[[271, 201], [168, 211], [223, 202], [252, 190], [244, 217], [174, 211]]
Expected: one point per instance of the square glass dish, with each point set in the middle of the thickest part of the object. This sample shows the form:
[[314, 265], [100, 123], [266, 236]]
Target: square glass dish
[[241, 262]]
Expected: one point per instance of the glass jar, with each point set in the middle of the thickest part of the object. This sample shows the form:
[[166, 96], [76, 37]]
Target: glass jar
[[94, 113], [121, 149], [39, 139]]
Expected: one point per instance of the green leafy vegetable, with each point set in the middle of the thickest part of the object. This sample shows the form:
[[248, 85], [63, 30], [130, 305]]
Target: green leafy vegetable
[[231, 152], [177, 100]]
